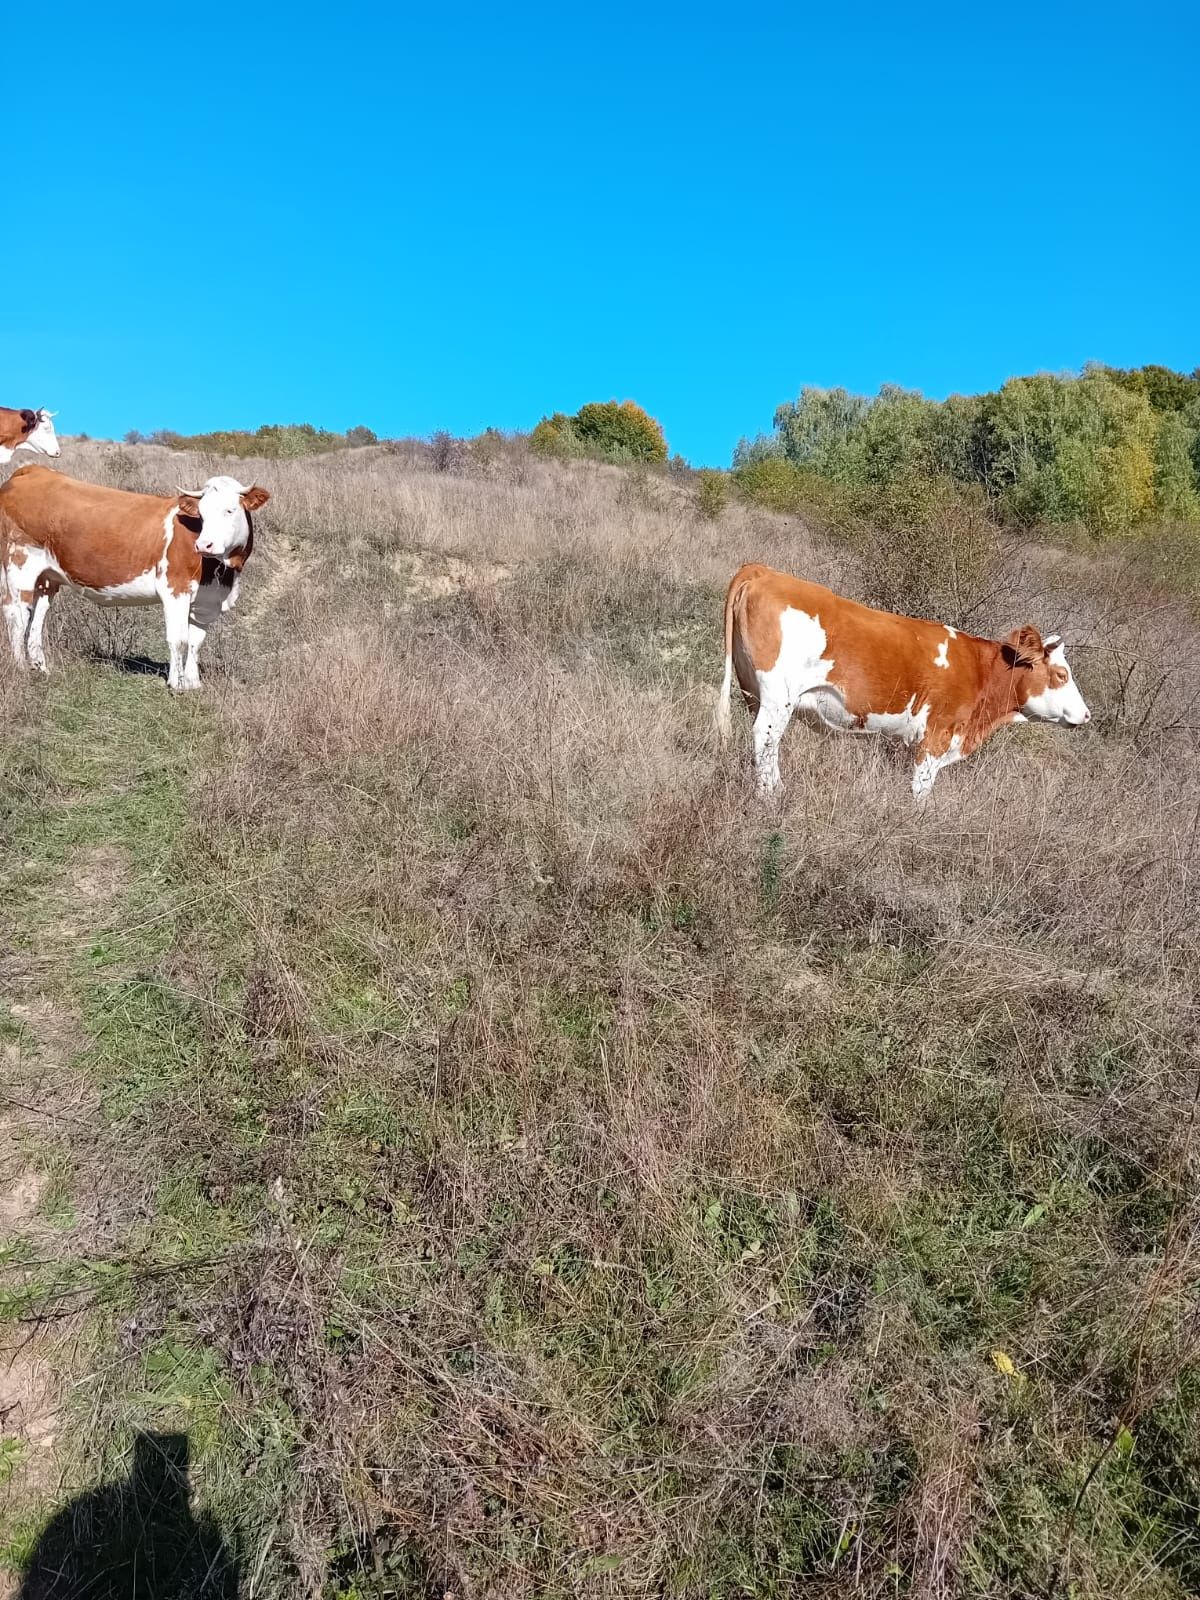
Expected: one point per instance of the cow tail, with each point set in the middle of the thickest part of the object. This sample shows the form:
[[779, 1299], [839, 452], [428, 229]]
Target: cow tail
[[721, 716], [6, 543]]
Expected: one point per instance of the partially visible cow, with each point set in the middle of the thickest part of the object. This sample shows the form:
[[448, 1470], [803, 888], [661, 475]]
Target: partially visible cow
[[186, 551], [27, 430], [795, 645]]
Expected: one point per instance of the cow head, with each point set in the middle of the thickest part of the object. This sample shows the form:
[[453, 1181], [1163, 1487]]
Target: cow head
[[1042, 682], [222, 508], [37, 433]]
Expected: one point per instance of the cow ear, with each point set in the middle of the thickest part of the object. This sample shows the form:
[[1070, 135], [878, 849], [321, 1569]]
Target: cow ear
[[29, 420], [255, 497], [1051, 642], [189, 506], [1024, 647]]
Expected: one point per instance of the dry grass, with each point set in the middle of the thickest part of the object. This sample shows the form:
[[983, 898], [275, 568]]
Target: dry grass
[[621, 1191]]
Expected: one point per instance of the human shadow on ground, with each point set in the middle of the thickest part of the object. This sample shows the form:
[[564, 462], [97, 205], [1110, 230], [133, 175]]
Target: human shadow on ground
[[134, 1540]]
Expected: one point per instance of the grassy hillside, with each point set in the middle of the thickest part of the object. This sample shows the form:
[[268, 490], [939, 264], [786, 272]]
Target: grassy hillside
[[519, 1165]]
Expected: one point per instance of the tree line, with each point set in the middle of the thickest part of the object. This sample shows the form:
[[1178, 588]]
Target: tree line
[[1109, 448]]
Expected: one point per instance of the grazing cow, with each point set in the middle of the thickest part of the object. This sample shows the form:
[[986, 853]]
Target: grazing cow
[[186, 551], [797, 645], [27, 430]]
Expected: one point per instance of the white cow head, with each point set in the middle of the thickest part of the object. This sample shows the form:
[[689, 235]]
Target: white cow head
[[222, 508], [37, 434], [1046, 689]]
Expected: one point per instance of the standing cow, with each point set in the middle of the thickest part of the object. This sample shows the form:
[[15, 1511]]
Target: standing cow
[[186, 551], [795, 645], [27, 430]]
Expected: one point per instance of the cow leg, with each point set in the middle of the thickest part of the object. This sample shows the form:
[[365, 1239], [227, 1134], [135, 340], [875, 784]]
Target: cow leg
[[19, 589], [175, 615], [769, 727], [47, 588], [41, 605], [17, 614], [929, 765], [191, 672]]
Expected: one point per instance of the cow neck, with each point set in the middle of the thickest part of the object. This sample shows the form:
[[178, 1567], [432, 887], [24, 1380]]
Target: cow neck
[[13, 427], [998, 703]]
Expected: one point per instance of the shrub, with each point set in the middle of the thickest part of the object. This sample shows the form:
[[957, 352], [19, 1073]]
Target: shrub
[[445, 451], [772, 481], [555, 436], [712, 493], [355, 437], [620, 430], [133, 437], [926, 548]]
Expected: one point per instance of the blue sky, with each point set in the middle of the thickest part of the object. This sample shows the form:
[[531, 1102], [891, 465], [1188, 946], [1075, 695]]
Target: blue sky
[[449, 217]]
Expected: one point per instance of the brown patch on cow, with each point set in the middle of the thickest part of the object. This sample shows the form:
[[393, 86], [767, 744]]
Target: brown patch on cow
[[96, 536], [185, 564], [16, 425], [255, 498]]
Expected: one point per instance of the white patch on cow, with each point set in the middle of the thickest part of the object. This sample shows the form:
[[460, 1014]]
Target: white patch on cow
[[800, 670], [926, 770], [138, 591], [942, 659], [168, 535], [908, 725], [953, 632], [1064, 704]]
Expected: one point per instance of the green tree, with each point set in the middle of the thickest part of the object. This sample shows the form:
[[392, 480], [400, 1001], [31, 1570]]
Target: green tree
[[818, 429], [1176, 485], [1165, 389], [620, 430], [555, 436]]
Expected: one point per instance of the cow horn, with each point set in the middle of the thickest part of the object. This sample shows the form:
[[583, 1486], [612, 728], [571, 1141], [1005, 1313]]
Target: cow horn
[[192, 494]]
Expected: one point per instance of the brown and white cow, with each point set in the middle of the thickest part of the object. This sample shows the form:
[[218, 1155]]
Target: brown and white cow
[[186, 551], [27, 430], [798, 646]]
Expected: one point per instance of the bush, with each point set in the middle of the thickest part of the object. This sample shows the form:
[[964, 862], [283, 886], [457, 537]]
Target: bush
[[772, 481], [925, 548], [446, 453], [556, 437], [358, 436], [620, 430], [712, 493]]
